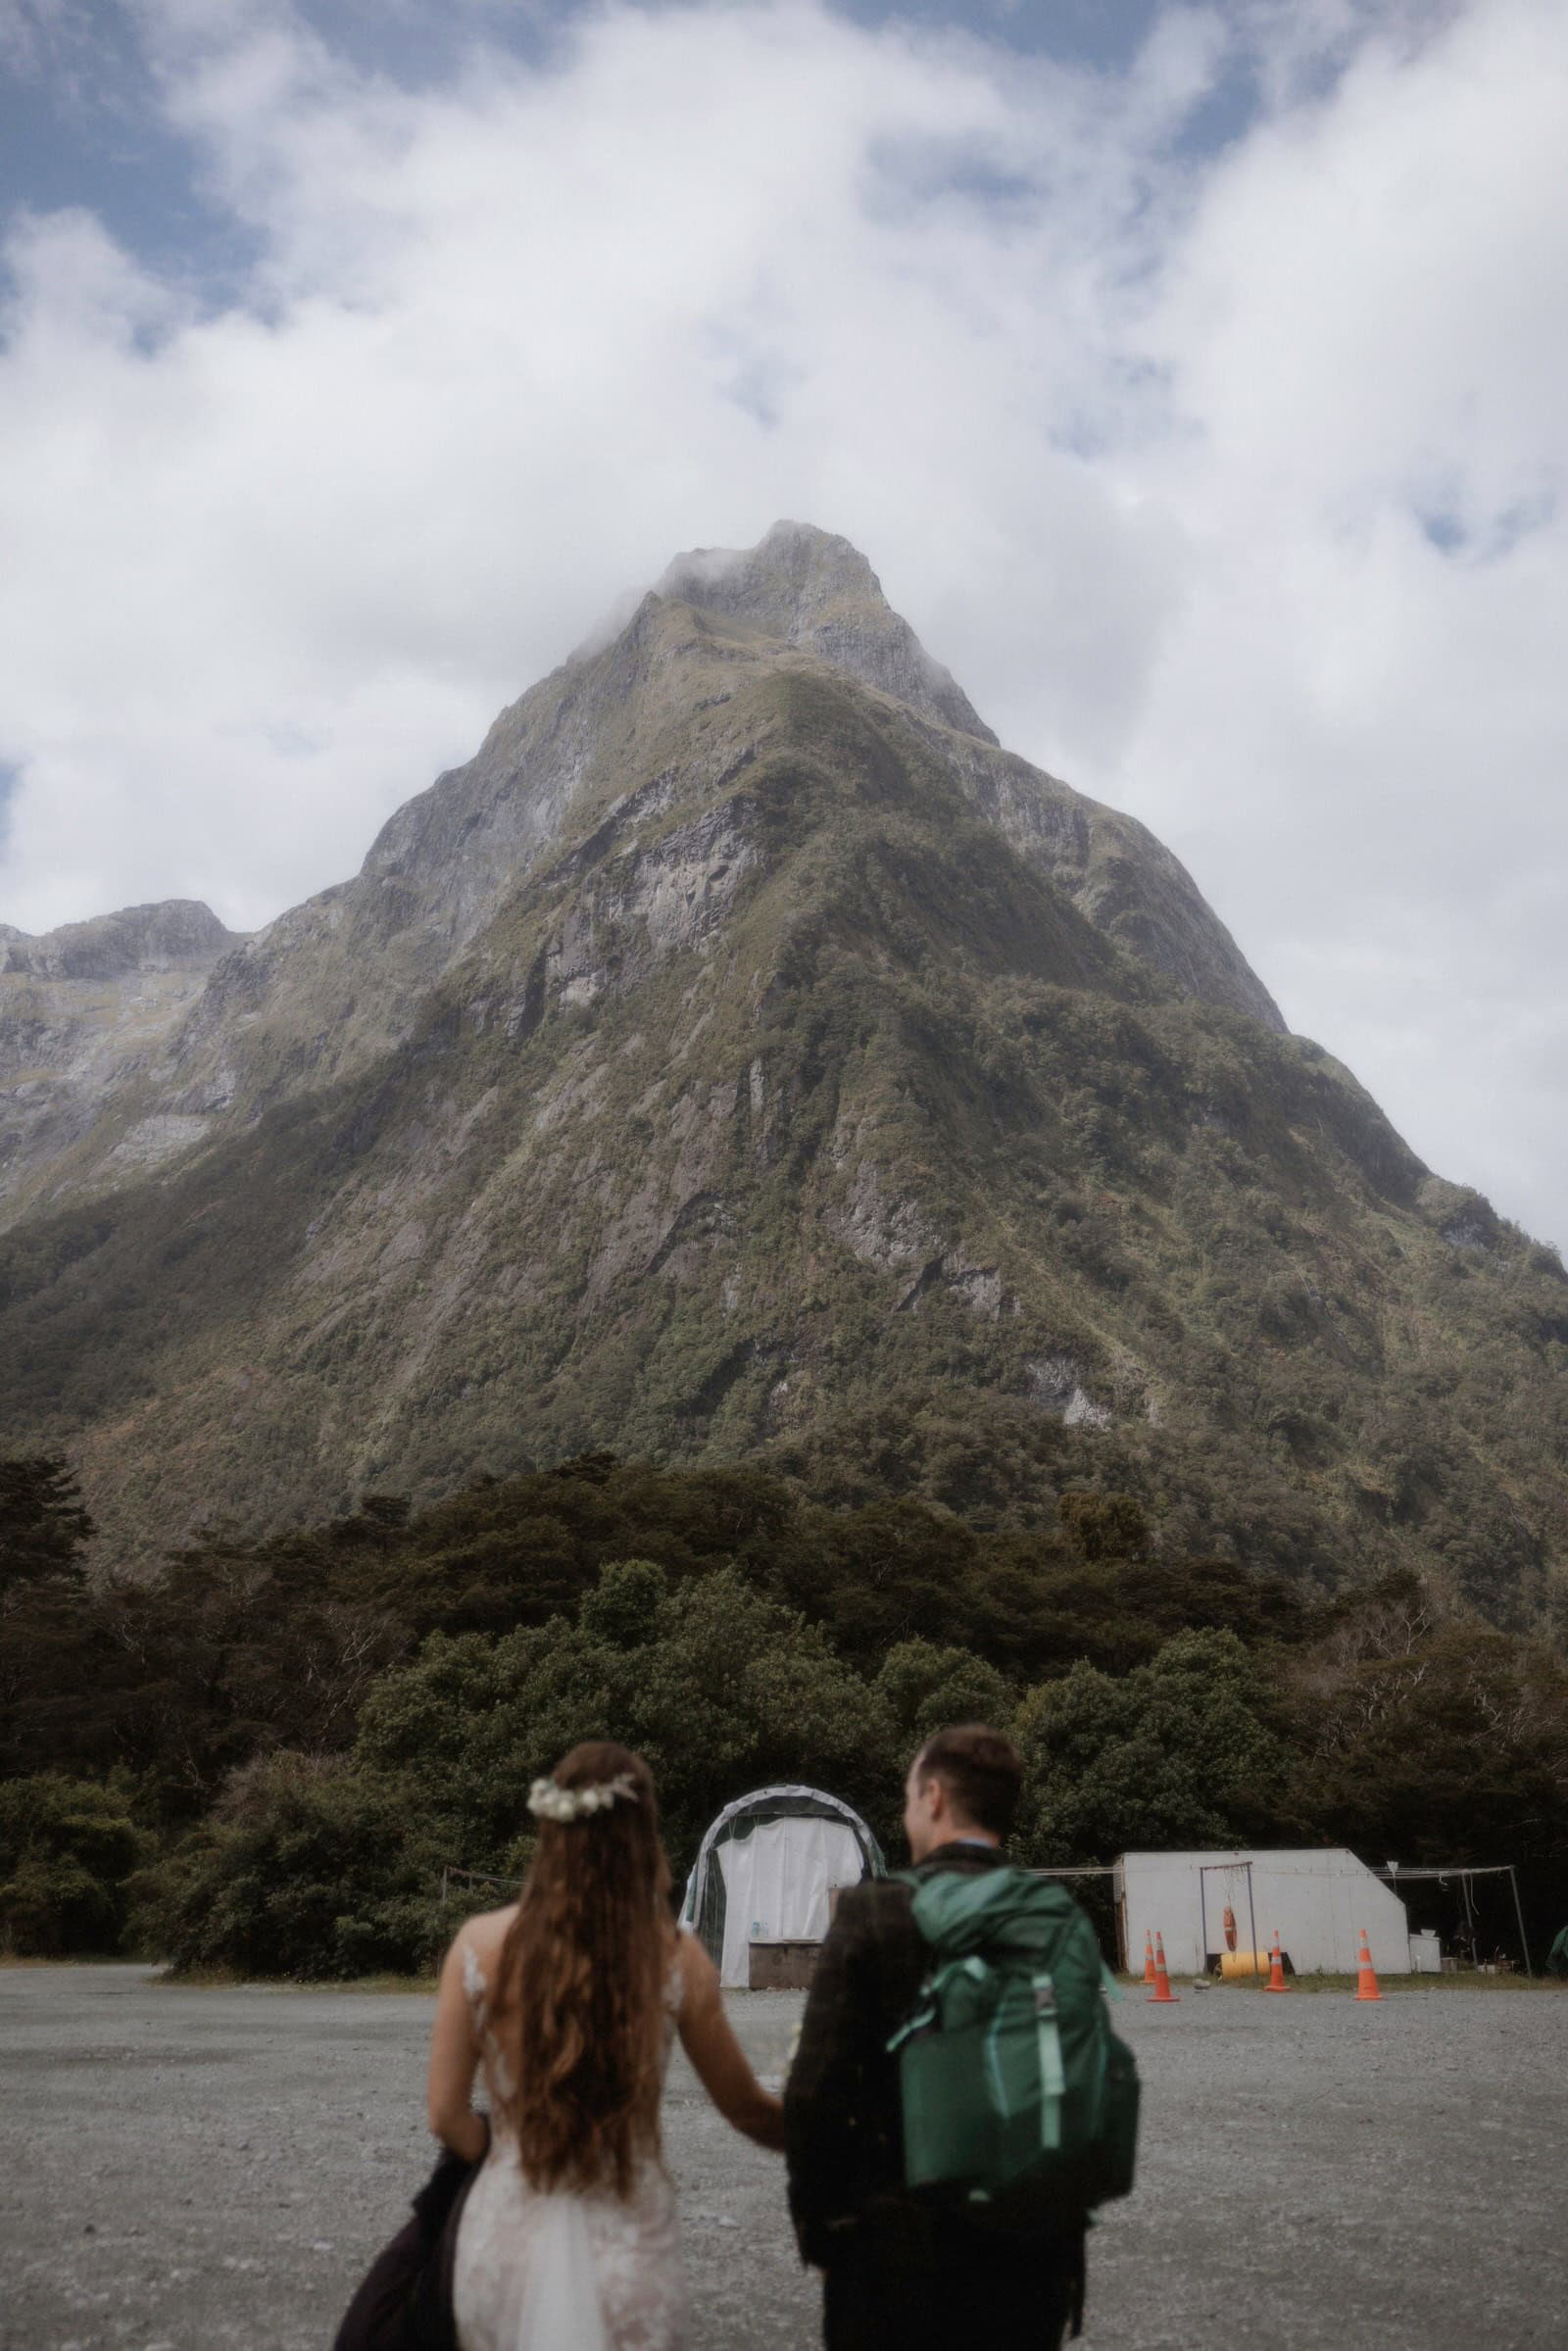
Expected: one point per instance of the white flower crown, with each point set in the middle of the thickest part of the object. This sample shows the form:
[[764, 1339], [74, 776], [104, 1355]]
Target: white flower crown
[[548, 1800]]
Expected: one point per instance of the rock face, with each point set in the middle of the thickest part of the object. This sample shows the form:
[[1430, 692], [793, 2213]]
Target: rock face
[[178, 934], [337, 981], [83, 1009], [804, 588], [744, 1055]]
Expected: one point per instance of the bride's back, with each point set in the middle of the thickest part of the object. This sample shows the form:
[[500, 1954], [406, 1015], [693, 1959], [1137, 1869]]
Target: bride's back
[[575, 2005], [569, 1999]]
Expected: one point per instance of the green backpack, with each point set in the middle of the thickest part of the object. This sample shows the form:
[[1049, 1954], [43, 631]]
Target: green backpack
[[1016, 2094]]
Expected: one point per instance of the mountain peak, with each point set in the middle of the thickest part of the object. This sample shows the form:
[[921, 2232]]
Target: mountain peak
[[815, 590], [793, 568], [740, 1057], [176, 934]]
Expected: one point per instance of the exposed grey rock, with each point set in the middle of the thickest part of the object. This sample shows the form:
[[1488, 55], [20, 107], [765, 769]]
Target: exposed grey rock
[[178, 934], [816, 591], [82, 1012], [1056, 1382], [1128, 884], [151, 1140], [1466, 1219], [882, 1227]]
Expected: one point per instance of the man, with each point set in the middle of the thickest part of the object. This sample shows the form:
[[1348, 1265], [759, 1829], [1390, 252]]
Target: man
[[901, 2271]]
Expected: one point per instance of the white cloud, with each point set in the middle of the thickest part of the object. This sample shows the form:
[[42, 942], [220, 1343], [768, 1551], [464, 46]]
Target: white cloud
[[1357, 731], [32, 34], [1228, 487]]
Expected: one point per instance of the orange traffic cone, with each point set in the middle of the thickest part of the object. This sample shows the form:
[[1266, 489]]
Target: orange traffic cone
[[1162, 1991], [1148, 1957], [1276, 1968], [1367, 1986]]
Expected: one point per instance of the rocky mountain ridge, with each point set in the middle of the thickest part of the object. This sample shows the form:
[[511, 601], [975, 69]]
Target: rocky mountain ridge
[[743, 1054], [339, 979], [83, 1009], [180, 934]]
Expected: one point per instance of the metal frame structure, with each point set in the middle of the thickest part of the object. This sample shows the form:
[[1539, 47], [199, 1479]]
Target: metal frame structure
[[1204, 1870], [1391, 1873], [1087, 1869]]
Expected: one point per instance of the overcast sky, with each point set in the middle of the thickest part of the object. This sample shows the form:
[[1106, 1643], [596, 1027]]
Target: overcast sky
[[1195, 377]]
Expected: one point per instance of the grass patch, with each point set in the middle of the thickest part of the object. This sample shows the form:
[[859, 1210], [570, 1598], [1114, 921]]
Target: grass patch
[[220, 1978], [16, 1959]]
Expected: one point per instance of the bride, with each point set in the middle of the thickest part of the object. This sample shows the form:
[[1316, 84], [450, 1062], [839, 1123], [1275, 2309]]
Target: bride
[[567, 2001]]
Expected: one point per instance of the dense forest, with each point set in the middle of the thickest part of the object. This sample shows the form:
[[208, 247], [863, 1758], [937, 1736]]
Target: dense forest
[[282, 1756]]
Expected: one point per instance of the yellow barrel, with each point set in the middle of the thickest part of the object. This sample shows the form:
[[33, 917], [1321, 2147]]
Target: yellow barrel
[[1234, 1964]]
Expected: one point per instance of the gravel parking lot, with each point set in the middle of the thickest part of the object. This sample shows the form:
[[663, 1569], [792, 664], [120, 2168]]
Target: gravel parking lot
[[196, 2170]]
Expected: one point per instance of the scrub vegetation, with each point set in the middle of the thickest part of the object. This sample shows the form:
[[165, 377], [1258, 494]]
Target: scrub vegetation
[[269, 1758]]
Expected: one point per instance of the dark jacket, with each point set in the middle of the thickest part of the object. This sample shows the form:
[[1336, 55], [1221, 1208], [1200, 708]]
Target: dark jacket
[[899, 2270], [404, 2302]]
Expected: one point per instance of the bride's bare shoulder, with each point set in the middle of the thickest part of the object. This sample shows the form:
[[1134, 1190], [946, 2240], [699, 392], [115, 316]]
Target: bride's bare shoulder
[[487, 1930]]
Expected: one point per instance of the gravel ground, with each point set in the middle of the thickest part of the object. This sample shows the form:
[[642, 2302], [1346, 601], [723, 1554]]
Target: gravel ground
[[195, 2169]]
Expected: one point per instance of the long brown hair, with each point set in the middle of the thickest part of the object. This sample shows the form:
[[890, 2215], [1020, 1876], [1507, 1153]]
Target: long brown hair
[[580, 2001]]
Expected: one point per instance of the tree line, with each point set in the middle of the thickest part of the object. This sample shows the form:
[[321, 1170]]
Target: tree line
[[270, 1757]]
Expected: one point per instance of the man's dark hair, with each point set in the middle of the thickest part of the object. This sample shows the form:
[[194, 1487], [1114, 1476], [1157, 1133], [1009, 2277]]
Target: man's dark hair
[[981, 1771]]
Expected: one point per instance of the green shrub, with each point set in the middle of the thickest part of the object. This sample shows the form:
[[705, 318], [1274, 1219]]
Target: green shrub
[[1177, 1753], [926, 1687], [67, 1849], [719, 1687], [306, 1867]]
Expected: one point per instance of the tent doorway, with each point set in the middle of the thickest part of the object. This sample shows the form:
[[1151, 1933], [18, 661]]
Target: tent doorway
[[767, 1869]]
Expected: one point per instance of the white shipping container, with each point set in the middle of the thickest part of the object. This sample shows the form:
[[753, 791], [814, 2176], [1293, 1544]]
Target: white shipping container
[[1317, 1900]]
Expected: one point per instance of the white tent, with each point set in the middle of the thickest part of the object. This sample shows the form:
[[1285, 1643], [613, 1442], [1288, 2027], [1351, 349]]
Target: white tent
[[767, 1869]]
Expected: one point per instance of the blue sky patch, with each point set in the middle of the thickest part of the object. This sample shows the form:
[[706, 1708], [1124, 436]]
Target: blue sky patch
[[1487, 539], [81, 123]]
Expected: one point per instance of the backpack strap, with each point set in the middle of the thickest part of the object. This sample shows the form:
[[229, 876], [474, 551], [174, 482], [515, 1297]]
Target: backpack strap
[[928, 2008], [1053, 2074]]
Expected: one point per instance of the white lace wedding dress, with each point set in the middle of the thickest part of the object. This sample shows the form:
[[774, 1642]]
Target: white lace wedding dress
[[562, 2271]]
